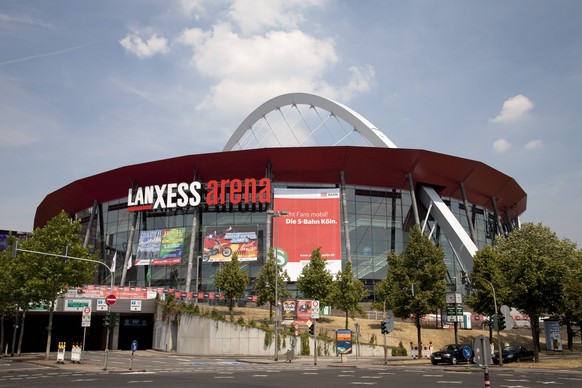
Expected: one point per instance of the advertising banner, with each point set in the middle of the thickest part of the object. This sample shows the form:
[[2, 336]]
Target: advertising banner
[[553, 335], [220, 242], [160, 247], [312, 221], [343, 341], [289, 310], [304, 310]]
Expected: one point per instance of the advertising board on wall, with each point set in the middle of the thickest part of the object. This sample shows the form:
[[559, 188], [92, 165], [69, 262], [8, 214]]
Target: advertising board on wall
[[160, 246], [220, 242], [312, 221]]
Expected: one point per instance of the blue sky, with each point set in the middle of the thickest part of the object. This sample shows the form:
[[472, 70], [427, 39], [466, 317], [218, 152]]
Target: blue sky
[[89, 86]]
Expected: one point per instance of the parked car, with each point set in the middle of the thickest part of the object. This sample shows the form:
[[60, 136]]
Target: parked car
[[513, 353], [453, 354]]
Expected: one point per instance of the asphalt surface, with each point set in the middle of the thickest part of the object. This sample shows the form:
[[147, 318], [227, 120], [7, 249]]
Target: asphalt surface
[[150, 360]]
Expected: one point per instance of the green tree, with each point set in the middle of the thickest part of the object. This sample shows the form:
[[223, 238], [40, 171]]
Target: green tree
[[415, 283], [533, 260], [347, 293], [45, 278], [315, 281], [571, 310], [486, 272], [265, 284], [232, 281]]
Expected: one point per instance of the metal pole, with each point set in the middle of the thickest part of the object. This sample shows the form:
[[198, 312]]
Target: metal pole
[[276, 295], [495, 305], [385, 350], [314, 342], [108, 327], [270, 215]]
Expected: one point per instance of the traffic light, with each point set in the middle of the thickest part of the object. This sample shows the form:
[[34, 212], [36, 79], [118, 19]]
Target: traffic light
[[501, 321], [383, 327], [312, 329], [107, 319]]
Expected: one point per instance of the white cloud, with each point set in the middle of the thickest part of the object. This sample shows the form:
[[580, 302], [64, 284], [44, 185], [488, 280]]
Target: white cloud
[[254, 16], [501, 145], [533, 144], [257, 50], [134, 44], [192, 8], [514, 109], [223, 54]]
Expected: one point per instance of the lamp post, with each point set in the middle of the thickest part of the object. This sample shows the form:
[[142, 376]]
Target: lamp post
[[495, 306], [270, 215]]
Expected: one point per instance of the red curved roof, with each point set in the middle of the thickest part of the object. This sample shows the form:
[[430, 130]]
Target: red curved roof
[[363, 166]]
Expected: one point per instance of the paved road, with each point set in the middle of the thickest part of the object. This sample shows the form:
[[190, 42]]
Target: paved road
[[160, 369]]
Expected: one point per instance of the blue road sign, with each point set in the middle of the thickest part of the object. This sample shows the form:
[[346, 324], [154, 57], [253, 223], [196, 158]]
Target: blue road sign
[[134, 346]]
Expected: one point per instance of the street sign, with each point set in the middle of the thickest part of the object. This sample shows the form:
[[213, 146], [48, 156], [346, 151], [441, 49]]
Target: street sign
[[482, 351], [315, 309], [135, 305], [101, 305], [133, 345], [76, 304], [390, 321], [453, 298], [111, 299], [86, 317]]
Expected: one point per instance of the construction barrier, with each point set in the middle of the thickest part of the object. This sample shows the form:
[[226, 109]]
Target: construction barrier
[[426, 350], [61, 353], [76, 352]]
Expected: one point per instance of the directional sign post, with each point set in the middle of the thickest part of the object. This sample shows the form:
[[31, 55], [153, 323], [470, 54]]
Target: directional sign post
[[86, 317], [133, 350]]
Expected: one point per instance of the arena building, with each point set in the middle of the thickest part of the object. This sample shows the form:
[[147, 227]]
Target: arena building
[[299, 173]]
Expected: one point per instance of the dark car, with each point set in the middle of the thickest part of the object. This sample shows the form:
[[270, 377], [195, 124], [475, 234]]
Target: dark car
[[453, 354], [513, 353]]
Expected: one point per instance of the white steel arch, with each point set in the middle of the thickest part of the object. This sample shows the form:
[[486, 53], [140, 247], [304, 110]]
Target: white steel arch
[[358, 123], [464, 248]]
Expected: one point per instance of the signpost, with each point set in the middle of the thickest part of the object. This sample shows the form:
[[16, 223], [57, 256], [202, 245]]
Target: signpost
[[483, 356], [85, 322], [133, 350], [343, 340]]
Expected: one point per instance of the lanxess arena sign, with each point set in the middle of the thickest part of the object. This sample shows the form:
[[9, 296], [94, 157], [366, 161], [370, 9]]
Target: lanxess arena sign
[[177, 195]]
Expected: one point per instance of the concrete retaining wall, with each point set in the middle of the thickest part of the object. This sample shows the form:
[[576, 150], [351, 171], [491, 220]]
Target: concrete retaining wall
[[197, 335]]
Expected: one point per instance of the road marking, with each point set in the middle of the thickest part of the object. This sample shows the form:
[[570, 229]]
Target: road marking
[[448, 382], [260, 375], [362, 383], [139, 381]]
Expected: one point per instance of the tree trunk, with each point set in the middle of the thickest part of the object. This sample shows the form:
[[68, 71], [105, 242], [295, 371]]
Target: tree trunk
[[347, 319], [16, 318], [570, 331], [2, 331], [535, 335], [418, 335], [49, 330], [21, 332]]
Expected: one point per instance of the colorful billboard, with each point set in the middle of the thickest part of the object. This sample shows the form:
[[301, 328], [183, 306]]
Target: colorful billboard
[[160, 247], [312, 221], [220, 242]]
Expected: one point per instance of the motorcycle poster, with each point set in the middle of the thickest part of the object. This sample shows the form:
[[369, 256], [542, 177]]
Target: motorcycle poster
[[220, 242]]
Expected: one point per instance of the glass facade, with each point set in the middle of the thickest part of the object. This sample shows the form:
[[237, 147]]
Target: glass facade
[[379, 219]]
